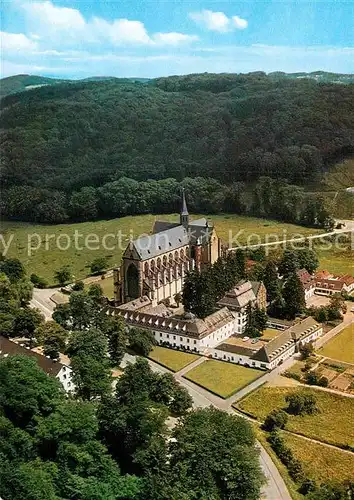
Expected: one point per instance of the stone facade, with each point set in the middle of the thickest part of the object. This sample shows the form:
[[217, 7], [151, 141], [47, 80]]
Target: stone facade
[[155, 265]]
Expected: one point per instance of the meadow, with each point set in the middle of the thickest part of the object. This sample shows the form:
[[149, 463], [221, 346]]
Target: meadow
[[172, 359], [221, 378], [321, 463], [332, 424], [45, 248], [341, 347]]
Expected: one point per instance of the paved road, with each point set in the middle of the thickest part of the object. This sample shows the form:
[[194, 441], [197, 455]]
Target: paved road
[[41, 300], [275, 488], [349, 228]]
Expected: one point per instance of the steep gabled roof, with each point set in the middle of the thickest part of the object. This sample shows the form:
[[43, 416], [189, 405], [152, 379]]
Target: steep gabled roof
[[151, 246]]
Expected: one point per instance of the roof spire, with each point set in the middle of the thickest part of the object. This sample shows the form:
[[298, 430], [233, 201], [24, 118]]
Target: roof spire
[[184, 203], [184, 216]]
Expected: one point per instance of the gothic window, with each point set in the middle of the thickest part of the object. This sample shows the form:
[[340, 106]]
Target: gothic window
[[159, 263], [170, 258], [133, 281], [146, 269], [176, 256], [152, 265], [164, 260]]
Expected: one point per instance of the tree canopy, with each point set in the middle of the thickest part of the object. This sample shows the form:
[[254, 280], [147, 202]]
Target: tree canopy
[[62, 159]]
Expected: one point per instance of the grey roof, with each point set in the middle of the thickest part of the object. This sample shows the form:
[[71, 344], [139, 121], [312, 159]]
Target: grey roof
[[184, 204], [239, 296], [272, 349], [236, 349], [168, 236], [150, 246], [161, 225], [200, 231]]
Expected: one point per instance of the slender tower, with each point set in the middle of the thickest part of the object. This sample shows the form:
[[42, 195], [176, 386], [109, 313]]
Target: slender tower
[[184, 216]]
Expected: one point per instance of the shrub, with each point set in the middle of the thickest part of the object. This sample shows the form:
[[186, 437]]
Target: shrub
[[277, 419], [37, 281], [301, 404], [78, 286]]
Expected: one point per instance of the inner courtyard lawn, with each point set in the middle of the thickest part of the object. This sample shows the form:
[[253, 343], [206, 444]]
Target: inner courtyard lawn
[[320, 462], [333, 424], [221, 378], [172, 359], [269, 334], [43, 249], [341, 347]]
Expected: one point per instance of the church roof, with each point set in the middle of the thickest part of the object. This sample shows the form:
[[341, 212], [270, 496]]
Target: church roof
[[161, 225], [168, 236], [151, 246]]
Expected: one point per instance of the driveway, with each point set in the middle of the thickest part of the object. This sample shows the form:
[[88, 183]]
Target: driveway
[[275, 489]]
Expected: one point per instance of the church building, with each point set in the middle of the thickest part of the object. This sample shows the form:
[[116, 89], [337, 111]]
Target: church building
[[155, 265]]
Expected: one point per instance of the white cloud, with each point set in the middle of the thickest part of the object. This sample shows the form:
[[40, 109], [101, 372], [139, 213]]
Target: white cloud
[[58, 17], [15, 42], [218, 21], [67, 27], [173, 38], [240, 23]]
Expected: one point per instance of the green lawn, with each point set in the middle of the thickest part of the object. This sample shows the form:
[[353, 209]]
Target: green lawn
[[336, 260], [174, 360], [49, 243], [333, 424], [341, 347], [221, 378], [270, 333], [106, 285], [320, 462]]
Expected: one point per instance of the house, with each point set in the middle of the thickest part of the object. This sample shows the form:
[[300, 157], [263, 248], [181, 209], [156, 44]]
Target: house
[[193, 334], [268, 355], [307, 282], [325, 283], [56, 369], [238, 298], [156, 265]]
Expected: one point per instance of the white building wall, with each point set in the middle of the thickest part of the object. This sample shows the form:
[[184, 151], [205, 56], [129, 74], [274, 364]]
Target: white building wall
[[65, 377], [237, 359], [178, 338]]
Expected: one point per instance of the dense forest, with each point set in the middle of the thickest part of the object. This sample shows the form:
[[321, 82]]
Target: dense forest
[[61, 138]]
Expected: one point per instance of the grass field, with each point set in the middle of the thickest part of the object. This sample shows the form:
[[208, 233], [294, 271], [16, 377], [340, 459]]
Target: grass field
[[174, 360], [43, 249], [333, 424], [270, 333], [341, 347], [336, 260], [221, 378], [106, 285], [320, 462]]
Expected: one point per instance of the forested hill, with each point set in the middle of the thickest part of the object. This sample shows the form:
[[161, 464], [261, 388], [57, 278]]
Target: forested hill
[[226, 127]]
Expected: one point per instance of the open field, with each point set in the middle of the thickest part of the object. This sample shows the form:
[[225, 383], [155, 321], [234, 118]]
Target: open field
[[221, 378], [333, 424], [320, 462], [269, 334], [44, 248], [174, 360], [341, 347], [336, 260]]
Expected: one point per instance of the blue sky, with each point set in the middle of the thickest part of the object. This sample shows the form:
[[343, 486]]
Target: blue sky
[[149, 38]]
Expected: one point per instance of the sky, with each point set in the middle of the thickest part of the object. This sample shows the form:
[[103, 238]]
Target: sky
[[151, 38]]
